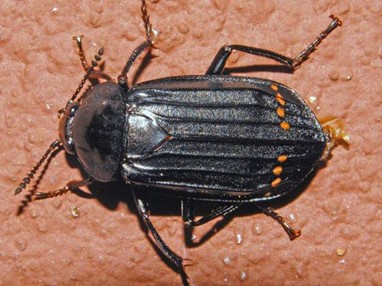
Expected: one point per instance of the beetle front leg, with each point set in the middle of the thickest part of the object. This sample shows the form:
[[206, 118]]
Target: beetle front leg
[[218, 63], [165, 250], [150, 34]]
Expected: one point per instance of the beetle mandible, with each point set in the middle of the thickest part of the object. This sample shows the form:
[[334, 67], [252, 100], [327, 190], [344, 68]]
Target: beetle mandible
[[228, 139]]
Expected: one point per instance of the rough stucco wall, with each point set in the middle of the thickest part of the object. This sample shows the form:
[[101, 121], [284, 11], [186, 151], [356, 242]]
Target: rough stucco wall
[[339, 211]]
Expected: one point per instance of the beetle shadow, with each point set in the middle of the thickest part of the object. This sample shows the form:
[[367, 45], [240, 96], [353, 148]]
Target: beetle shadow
[[164, 205], [258, 68], [110, 195], [247, 209]]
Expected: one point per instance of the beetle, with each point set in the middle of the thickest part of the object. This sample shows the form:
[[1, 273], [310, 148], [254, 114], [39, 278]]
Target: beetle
[[214, 137]]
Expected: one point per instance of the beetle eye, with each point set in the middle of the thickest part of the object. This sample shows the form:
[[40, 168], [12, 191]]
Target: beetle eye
[[65, 127]]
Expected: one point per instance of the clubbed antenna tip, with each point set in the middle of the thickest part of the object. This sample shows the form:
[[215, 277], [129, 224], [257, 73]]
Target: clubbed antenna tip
[[26, 180]]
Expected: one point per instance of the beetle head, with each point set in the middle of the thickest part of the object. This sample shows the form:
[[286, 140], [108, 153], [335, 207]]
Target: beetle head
[[93, 130]]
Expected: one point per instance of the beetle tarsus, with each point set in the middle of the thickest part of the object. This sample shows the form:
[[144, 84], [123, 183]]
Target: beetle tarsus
[[301, 57], [147, 23], [81, 53], [292, 233]]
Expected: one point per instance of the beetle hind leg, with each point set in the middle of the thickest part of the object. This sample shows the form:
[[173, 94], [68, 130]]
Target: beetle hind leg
[[174, 258], [292, 233], [218, 63]]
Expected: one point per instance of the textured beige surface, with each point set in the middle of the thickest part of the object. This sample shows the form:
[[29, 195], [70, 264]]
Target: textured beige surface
[[339, 212]]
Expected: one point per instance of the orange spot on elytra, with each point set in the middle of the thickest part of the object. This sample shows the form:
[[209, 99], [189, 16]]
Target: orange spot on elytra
[[274, 87], [276, 182], [280, 112], [285, 125], [277, 170], [280, 99], [282, 158]]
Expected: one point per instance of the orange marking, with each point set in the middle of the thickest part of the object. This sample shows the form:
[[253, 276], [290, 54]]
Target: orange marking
[[276, 182], [274, 87], [280, 99], [280, 112], [160, 145], [282, 158], [285, 125], [277, 170]]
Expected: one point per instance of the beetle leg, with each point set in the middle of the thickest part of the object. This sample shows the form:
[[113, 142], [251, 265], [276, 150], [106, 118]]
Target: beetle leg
[[218, 63], [165, 250], [292, 233], [98, 57], [59, 192], [150, 34], [81, 53], [312, 46], [95, 73], [188, 213]]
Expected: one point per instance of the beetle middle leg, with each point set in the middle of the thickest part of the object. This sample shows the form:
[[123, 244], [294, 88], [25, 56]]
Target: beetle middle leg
[[175, 259], [188, 213], [188, 208], [218, 63]]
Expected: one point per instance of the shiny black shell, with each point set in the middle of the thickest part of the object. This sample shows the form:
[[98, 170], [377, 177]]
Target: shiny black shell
[[222, 138]]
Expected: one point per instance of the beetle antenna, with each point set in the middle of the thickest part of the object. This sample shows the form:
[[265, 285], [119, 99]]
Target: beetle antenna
[[88, 70], [56, 145], [81, 53], [122, 78]]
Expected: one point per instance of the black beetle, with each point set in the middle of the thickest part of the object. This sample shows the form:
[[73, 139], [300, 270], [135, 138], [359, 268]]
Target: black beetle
[[213, 137]]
